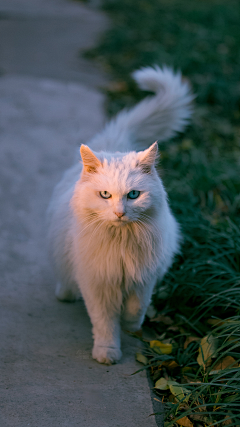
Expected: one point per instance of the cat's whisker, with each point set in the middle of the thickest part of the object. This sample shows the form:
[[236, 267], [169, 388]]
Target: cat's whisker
[[93, 232], [90, 223], [151, 223], [146, 226], [86, 227], [145, 216]]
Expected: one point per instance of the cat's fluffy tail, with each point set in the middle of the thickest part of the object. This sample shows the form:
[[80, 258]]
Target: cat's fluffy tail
[[157, 117]]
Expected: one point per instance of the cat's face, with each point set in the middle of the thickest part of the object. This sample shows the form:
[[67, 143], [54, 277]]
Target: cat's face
[[120, 188]]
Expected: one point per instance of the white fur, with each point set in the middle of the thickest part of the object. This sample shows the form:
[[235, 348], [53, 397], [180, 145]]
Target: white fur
[[116, 262]]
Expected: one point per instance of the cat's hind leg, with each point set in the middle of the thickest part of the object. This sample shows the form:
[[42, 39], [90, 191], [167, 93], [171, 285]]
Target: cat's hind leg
[[135, 306], [68, 292], [133, 313]]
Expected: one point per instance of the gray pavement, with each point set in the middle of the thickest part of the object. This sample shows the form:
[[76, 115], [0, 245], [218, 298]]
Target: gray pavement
[[46, 38], [48, 106]]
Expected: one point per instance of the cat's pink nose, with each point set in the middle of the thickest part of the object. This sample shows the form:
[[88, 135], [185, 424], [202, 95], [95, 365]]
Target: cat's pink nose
[[119, 214]]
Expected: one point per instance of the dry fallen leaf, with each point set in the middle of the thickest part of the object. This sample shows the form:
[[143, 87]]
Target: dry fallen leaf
[[183, 406], [162, 384], [190, 339], [161, 348], [181, 393], [185, 422], [207, 349], [170, 364], [189, 380], [198, 417], [141, 358], [227, 421], [224, 363], [164, 319], [215, 322]]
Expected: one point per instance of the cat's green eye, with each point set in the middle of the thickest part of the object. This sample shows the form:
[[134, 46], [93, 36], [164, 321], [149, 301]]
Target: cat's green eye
[[105, 194], [134, 194]]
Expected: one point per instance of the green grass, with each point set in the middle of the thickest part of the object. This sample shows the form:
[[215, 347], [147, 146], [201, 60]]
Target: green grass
[[200, 170]]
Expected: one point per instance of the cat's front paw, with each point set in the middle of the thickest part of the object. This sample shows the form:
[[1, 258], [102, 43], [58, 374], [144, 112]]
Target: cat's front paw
[[106, 355]]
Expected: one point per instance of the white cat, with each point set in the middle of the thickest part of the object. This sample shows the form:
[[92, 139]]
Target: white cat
[[112, 234]]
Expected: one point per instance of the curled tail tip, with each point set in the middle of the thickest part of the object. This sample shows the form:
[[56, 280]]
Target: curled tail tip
[[156, 79]]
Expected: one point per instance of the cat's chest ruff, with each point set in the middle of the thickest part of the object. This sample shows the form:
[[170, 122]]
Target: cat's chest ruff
[[119, 256]]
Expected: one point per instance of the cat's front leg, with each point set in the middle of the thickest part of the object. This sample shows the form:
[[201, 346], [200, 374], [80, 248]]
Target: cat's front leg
[[105, 318], [106, 352]]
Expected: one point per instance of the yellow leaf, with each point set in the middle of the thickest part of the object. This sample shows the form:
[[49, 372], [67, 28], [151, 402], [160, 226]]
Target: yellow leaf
[[228, 361], [185, 422], [161, 348], [207, 349], [181, 393], [162, 384], [141, 358]]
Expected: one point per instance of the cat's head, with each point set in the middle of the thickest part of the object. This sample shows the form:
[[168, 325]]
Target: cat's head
[[118, 188]]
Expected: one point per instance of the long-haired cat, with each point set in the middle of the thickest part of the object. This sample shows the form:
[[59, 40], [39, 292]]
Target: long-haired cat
[[112, 234]]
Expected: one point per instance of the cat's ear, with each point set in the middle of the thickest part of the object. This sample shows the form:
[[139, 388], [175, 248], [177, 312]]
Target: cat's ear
[[147, 158], [90, 162]]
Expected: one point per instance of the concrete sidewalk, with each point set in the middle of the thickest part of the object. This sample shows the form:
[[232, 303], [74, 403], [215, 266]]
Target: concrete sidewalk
[[48, 107], [45, 39]]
